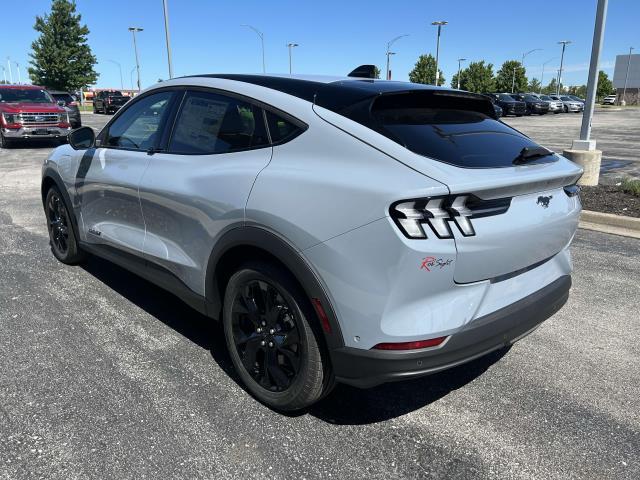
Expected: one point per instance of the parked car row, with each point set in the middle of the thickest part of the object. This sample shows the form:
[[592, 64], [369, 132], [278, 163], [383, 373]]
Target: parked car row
[[520, 104]]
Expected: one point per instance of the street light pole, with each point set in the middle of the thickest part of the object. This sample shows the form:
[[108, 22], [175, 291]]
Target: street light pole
[[120, 67], [564, 44], [513, 82], [133, 31], [10, 72], [291, 46], [166, 34], [4, 73], [389, 53], [626, 78], [459, 61], [20, 78], [131, 77], [542, 75], [439, 24], [261, 35]]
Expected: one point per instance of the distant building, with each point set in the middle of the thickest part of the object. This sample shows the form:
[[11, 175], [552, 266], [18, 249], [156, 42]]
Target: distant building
[[633, 81]]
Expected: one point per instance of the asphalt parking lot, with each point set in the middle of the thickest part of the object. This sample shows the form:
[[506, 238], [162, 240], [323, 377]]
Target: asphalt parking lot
[[106, 376]]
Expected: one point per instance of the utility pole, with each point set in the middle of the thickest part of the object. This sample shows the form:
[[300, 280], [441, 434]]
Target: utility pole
[[583, 151], [439, 24], [513, 81], [133, 31], [459, 61], [167, 38], [623, 102], [261, 35], [564, 44], [389, 53], [291, 46]]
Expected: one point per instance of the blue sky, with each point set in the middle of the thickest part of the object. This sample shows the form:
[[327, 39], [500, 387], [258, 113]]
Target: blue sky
[[334, 36]]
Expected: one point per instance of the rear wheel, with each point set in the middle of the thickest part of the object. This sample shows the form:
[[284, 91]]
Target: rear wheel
[[270, 338], [62, 237]]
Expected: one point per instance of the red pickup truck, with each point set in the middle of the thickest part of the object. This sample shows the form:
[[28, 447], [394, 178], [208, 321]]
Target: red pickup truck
[[27, 112]]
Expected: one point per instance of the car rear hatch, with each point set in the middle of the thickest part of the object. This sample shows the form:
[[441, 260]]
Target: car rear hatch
[[508, 209]]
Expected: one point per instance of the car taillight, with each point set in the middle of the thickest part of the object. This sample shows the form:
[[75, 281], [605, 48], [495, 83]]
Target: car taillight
[[432, 342], [438, 212]]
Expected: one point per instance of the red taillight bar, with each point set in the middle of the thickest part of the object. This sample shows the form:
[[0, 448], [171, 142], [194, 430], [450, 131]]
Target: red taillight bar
[[432, 342], [324, 320]]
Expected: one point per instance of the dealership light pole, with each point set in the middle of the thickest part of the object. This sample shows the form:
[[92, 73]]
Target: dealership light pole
[[4, 73], [133, 31], [10, 72], [542, 74], [291, 46], [131, 77], [583, 151], [564, 44], [20, 78], [261, 35], [626, 78], [439, 24], [513, 81], [120, 67], [166, 35], [459, 61], [389, 53]]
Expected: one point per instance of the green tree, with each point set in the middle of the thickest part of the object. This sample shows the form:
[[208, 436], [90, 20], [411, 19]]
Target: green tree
[[534, 85], [478, 77], [551, 87], [376, 71], [61, 58], [505, 77], [425, 71], [578, 91], [605, 86]]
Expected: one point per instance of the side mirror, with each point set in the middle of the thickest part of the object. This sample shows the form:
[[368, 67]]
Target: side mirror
[[82, 138], [61, 103]]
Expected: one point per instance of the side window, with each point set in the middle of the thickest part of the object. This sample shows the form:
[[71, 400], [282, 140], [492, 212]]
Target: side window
[[138, 126], [281, 130], [213, 123]]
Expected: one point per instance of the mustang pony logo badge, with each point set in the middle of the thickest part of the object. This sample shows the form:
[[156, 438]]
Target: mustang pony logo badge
[[434, 262], [544, 201]]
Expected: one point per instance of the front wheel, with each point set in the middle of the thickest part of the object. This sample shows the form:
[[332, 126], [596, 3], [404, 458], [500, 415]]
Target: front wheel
[[271, 341], [4, 143], [62, 237]]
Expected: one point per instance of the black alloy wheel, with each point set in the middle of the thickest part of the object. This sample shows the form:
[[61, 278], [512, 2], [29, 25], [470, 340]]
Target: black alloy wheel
[[272, 335], [266, 335], [61, 234]]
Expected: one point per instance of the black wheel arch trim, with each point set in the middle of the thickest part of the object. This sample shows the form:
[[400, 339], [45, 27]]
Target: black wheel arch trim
[[289, 256]]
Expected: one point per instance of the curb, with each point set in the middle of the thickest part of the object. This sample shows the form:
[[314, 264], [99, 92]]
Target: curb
[[609, 223]]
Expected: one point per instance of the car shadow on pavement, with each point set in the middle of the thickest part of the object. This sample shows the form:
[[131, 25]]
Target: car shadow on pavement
[[33, 143], [345, 405]]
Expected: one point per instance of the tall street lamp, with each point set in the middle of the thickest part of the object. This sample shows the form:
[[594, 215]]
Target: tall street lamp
[[166, 35], [542, 74], [261, 35], [513, 82], [133, 31], [626, 78], [10, 72], [439, 24], [291, 46], [20, 78], [564, 44], [4, 73], [460, 60], [120, 68], [131, 77], [389, 53]]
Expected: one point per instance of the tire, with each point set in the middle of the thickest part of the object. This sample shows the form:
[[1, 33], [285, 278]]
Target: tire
[[272, 343], [62, 236], [5, 142]]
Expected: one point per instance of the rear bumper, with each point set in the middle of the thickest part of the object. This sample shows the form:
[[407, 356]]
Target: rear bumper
[[368, 368]]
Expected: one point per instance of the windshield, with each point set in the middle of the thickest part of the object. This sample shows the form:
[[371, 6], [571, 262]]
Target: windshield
[[65, 97], [566, 99], [27, 95], [545, 97], [505, 98], [531, 98]]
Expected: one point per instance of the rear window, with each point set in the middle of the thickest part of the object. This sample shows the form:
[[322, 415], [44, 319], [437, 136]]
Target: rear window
[[65, 97], [458, 136]]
